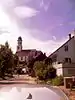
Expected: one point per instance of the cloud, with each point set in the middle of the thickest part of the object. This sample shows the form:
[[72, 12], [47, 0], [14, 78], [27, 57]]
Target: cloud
[[44, 5], [68, 23], [25, 12], [29, 42], [54, 38], [5, 23], [7, 3]]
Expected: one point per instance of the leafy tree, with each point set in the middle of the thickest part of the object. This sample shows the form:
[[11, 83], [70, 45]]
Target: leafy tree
[[6, 60], [48, 61], [16, 61], [40, 70], [44, 71], [51, 72], [39, 56]]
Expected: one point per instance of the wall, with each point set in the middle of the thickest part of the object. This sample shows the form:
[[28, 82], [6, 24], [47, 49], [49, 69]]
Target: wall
[[61, 54], [59, 69], [66, 70], [69, 70]]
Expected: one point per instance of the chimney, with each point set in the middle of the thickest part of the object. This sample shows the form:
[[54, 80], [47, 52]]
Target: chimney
[[69, 36]]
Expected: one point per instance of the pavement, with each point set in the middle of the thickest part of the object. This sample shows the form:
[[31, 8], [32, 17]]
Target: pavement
[[17, 82], [21, 79]]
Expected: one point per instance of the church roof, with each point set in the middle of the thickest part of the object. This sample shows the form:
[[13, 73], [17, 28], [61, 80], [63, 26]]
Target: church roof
[[25, 52]]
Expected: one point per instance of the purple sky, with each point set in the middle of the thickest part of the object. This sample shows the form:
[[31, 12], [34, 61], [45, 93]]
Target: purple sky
[[57, 20], [48, 21]]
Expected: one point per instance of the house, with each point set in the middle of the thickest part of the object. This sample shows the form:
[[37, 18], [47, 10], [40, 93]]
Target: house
[[27, 54], [64, 58]]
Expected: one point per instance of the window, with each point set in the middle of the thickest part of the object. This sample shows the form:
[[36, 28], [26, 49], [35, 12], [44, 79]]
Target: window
[[21, 58], [18, 47], [20, 43], [68, 60], [66, 48]]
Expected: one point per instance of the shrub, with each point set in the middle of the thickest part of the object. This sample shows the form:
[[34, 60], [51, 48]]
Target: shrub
[[40, 70], [44, 71], [58, 81], [51, 72]]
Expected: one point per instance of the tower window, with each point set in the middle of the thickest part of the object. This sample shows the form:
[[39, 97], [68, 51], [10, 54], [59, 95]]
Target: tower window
[[18, 47]]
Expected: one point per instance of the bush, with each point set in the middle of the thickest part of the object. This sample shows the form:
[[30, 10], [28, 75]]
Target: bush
[[44, 71], [58, 81], [51, 72], [40, 70]]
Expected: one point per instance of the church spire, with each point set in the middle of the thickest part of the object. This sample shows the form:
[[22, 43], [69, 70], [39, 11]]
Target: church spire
[[19, 46]]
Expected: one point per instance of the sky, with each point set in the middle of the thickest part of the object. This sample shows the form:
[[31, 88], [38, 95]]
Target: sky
[[43, 24]]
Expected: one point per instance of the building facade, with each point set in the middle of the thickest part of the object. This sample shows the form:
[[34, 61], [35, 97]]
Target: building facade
[[27, 54], [64, 58]]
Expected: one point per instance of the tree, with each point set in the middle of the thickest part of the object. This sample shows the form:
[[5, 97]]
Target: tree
[[48, 61], [40, 70], [51, 72], [44, 71], [39, 56], [16, 60], [6, 60]]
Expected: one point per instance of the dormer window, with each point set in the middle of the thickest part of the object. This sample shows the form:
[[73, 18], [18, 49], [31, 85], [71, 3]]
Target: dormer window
[[66, 48]]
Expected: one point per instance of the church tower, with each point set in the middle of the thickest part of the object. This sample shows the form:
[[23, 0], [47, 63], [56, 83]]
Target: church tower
[[19, 46]]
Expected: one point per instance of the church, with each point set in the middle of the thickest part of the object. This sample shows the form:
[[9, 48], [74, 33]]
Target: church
[[28, 54]]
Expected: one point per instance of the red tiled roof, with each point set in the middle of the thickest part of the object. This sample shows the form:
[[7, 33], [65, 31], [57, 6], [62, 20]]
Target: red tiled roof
[[24, 52]]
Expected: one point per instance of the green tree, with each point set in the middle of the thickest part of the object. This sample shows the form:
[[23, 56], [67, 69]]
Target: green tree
[[44, 71], [40, 70], [51, 72], [16, 61], [6, 60]]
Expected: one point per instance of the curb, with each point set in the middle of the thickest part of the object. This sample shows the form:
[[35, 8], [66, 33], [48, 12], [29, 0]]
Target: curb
[[62, 92], [16, 82]]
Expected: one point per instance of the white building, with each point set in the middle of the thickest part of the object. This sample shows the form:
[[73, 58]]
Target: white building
[[64, 58]]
